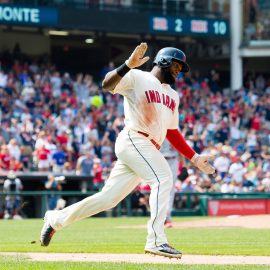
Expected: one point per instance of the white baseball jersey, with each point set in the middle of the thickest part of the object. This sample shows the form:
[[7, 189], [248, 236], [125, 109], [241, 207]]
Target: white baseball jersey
[[150, 106]]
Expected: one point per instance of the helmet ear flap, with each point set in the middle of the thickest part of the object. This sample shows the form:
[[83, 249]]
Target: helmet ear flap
[[163, 62]]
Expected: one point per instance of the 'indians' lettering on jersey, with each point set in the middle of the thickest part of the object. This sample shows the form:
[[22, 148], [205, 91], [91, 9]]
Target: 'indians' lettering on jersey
[[156, 97]]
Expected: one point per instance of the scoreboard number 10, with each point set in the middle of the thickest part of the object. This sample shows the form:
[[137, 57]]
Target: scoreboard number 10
[[219, 28]]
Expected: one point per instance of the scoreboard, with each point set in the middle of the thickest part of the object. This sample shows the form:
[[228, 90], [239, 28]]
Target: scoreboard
[[189, 26], [110, 21]]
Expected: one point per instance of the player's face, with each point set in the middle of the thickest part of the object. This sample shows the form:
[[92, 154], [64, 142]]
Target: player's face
[[170, 74], [175, 68]]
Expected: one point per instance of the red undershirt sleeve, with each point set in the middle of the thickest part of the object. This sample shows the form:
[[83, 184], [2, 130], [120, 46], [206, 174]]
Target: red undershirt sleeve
[[179, 143]]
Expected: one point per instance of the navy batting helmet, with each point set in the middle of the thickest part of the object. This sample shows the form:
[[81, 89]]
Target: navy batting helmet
[[166, 55]]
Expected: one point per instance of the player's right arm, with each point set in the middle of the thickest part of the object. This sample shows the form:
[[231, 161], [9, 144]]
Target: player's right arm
[[136, 59], [201, 161]]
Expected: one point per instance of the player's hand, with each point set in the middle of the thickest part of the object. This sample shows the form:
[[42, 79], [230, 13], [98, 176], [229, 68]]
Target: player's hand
[[202, 162], [137, 58]]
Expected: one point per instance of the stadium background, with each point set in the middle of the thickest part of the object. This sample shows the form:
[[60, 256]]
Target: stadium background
[[44, 45]]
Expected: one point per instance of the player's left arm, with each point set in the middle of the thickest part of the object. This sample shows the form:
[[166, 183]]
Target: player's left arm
[[180, 144], [136, 59], [111, 79]]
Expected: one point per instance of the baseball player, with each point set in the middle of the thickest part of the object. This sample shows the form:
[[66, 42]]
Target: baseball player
[[172, 157], [151, 114]]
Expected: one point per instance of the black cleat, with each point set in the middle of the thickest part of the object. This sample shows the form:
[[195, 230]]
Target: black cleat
[[164, 250], [47, 233]]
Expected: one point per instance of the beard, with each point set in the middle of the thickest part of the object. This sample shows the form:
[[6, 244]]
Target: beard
[[167, 76]]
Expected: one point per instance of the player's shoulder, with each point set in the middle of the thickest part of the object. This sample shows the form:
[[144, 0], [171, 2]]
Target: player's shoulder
[[173, 92], [137, 75], [138, 72]]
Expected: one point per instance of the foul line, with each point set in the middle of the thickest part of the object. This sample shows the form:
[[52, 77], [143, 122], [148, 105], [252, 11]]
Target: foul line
[[141, 258]]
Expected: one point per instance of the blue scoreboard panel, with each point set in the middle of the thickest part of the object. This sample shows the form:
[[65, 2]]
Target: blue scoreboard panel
[[189, 26]]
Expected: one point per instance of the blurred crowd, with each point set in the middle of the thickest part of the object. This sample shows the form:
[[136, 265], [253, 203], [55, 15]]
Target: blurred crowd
[[233, 128], [52, 121]]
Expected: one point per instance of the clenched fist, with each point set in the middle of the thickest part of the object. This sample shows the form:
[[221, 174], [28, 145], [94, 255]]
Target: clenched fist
[[137, 58], [202, 162]]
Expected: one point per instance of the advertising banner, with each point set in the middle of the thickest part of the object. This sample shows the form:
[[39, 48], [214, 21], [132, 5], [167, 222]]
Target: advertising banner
[[268, 207], [20, 15], [238, 207]]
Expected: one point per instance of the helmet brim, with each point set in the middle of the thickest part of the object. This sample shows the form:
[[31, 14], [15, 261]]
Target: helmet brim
[[185, 66]]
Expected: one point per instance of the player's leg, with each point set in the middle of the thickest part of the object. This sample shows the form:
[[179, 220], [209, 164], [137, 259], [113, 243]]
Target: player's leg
[[121, 182], [173, 164], [150, 165]]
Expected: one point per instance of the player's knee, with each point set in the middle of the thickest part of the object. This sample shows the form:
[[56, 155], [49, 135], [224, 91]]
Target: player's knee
[[113, 201], [110, 201], [170, 184], [167, 183]]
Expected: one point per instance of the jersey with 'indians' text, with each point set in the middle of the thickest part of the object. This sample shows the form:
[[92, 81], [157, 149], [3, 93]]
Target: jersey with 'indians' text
[[150, 106]]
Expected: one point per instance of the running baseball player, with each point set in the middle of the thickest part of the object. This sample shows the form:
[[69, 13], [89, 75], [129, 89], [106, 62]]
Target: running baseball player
[[151, 114]]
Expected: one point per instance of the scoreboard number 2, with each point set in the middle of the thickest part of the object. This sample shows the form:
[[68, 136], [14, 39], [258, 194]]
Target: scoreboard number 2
[[178, 25]]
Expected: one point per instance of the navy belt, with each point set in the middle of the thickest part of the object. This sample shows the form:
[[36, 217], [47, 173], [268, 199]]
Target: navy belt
[[151, 140]]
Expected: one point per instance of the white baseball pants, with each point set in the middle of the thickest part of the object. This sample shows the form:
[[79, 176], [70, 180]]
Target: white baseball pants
[[137, 159]]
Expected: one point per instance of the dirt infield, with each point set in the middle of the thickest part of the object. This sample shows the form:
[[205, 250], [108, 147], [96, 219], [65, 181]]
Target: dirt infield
[[142, 258], [251, 222]]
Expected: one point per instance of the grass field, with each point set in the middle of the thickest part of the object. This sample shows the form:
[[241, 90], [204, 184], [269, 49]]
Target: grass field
[[105, 235]]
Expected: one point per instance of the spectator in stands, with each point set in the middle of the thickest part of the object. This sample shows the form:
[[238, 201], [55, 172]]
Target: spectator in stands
[[3, 79], [53, 184], [266, 182], [139, 202], [59, 158], [15, 165], [5, 158], [109, 67], [222, 162], [84, 167], [12, 202], [14, 149], [41, 139], [68, 168], [252, 141], [216, 186], [107, 149], [190, 184], [226, 186], [42, 156], [222, 132], [98, 181], [56, 84], [256, 122], [237, 170], [81, 89]]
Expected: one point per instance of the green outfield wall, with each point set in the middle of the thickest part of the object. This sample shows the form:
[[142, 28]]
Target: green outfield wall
[[34, 203]]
